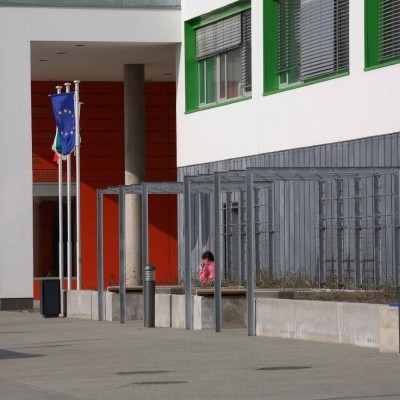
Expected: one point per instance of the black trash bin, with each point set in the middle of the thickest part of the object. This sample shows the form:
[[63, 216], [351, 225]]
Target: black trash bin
[[50, 298]]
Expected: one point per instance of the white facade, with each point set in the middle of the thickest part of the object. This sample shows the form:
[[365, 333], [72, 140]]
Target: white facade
[[362, 104], [19, 27], [359, 105]]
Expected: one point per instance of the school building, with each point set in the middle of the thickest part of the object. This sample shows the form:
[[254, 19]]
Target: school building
[[173, 88]]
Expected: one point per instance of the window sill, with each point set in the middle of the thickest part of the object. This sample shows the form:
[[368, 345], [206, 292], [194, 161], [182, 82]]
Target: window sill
[[224, 103], [386, 64], [323, 79]]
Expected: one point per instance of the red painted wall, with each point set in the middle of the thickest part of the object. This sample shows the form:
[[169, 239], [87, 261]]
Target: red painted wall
[[102, 165]]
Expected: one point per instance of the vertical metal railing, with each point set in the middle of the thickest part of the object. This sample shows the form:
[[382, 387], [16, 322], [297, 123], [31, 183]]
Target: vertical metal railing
[[322, 234], [377, 231], [122, 272], [188, 254], [218, 252], [357, 231], [271, 232], [100, 256], [250, 253], [339, 230]]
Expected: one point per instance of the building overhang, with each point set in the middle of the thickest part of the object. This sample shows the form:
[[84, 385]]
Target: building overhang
[[167, 4]]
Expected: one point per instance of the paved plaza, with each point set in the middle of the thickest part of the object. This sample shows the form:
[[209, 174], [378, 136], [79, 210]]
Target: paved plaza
[[68, 359]]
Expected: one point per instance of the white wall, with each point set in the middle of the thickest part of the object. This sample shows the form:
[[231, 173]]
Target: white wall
[[359, 105], [18, 27]]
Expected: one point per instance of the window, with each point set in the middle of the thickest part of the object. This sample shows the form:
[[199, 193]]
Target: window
[[382, 21], [305, 40], [218, 57]]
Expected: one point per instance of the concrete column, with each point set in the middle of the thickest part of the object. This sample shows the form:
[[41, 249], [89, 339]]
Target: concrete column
[[135, 167]]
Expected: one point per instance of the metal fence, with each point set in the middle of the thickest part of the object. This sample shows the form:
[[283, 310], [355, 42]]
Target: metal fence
[[355, 219], [251, 210]]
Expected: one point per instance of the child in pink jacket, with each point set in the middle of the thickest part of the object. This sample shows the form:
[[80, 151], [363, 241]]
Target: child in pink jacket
[[207, 268]]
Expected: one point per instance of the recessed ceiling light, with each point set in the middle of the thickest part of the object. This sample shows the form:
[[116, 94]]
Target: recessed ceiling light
[[43, 60], [62, 52]]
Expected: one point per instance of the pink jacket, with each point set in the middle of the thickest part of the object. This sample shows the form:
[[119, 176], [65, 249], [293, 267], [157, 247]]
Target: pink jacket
[[208, 272]]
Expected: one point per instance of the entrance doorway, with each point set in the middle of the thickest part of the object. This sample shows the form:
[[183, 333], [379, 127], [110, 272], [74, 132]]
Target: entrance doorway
[[46, 237]]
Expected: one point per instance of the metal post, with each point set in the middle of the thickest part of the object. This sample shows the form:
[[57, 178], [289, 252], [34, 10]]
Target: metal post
[[322, 232], [60, 227], [150, 293], [250, 253], [218, 251], [145, 225], [145, 237], [69, 242], [257, 230], [270, 232], [242, 233], [78, 188], [339, 230], [377, 232], [357, 212], [122, 273], [200, 225], [188, 254], [228, 238], [100, 261], [396, 178]]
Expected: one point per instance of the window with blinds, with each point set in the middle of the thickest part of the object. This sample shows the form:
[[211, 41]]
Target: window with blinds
[[389, 30], [313, 39], [223, 53], [219, 37]]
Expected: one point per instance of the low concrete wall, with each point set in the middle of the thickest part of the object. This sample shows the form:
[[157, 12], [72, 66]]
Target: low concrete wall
[[234, 312], [178, 311], [133, 306], [163, 310], [368, 325], [349, 323], [82, 304], [389, 329], [170, 311]]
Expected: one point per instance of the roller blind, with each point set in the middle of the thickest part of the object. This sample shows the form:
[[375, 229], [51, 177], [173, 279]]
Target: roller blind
[[389, 30], [246, 50], [313, 36], [219, 37], [288, 35]]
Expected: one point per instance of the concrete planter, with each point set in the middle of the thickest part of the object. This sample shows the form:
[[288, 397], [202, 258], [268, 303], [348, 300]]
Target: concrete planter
[[170, 311], [367, 325], [389, 329], [84, 304]]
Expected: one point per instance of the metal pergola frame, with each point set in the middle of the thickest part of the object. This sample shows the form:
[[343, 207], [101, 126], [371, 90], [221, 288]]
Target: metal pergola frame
[[218, 183]]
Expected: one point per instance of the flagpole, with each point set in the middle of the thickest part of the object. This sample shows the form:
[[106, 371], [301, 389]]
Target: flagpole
[[60, 224], [69, 244], [78, 186]]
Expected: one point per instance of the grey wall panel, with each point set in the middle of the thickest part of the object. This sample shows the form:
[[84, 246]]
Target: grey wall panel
[[295, 211]]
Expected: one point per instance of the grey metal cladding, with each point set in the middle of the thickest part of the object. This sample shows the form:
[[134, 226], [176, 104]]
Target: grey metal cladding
[[292, 233], [175, 4]]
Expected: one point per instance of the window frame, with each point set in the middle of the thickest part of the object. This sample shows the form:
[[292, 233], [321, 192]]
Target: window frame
[[218, 60], [270, 48], [371, 37], [192, 84]]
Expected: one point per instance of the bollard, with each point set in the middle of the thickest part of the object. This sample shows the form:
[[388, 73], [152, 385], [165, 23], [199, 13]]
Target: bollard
[[149, 296]]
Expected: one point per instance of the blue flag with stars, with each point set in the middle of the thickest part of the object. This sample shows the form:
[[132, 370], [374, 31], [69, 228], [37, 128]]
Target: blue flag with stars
[[64, 113]]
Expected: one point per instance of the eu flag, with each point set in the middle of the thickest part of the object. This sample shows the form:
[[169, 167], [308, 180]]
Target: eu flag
[[64, 113]]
